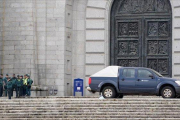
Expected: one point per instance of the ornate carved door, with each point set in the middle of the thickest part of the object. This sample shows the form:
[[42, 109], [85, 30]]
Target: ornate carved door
[[141, 34]]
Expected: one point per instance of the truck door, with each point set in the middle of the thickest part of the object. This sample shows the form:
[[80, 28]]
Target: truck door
[[146, 81], [127, 80]]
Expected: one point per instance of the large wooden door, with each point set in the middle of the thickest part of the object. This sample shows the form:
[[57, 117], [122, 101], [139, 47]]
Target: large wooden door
[[141, 34]]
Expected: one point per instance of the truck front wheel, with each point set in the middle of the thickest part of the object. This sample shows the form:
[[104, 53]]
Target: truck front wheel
[[109, 92], [168, 92]]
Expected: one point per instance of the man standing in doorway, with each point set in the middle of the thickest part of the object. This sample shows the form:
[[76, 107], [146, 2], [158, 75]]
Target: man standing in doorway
[[1, 85]]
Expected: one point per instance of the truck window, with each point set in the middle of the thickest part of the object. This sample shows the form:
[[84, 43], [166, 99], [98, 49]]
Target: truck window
[[129, 73], [144, 74]]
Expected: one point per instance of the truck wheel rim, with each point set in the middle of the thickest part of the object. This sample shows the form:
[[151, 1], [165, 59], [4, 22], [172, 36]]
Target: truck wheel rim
[[167, 93], [108, 92]]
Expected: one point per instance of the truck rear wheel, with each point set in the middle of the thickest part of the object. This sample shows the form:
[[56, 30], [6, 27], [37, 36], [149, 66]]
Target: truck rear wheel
[[109, 92], [168, 92]]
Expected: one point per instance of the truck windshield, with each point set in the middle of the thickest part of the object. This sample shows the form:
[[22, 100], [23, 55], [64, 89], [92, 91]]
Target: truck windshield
[[158, 74]]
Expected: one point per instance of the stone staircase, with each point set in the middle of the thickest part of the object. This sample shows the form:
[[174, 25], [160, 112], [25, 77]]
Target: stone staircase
[[130, 107]]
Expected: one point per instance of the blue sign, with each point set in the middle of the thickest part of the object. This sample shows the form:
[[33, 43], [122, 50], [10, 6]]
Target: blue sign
[[78, 86]]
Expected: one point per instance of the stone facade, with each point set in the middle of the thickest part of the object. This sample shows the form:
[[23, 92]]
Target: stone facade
[[58, 40]]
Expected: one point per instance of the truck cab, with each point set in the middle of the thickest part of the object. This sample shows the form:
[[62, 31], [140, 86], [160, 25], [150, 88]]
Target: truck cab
[[116, 81]]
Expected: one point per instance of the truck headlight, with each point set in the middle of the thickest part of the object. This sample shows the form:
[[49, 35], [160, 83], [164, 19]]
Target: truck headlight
[[178, 82]]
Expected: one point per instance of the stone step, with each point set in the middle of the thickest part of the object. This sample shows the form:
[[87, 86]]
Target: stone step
[[87, 100], [84, 104], [90, 119], [68, 110], [10, 113], [92, 108], [94, 105], [90, 102], [87, 116]]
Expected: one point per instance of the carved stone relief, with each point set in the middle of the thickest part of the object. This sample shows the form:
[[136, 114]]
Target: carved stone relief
[[128, 29], [128, 63], [143, 6], [157, 47]]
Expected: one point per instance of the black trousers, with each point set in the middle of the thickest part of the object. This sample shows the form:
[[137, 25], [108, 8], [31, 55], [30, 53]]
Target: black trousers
[[1, 90], [9, 92], [18, 91], [5, 89], [24, 90], [13, 87]]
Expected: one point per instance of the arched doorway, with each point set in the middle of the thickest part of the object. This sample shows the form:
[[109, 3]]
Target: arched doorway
[[141, 34]]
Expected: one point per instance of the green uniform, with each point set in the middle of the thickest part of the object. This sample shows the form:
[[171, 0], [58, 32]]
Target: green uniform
[[25, 86], [19, 85], [19, 82], [9, 84], [5, 85], [14, 80], [29, 83], [1, 87], [9, 88], [13, 84]]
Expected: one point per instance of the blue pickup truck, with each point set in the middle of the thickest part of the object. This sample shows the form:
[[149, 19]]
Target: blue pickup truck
[[116, 81]]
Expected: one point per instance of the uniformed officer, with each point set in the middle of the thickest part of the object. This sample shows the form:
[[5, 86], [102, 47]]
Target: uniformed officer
[[9, 87], [25, 85], [19, 84], [13, 83], [29, 83], [1, 85], [21, 77], [5, 84]]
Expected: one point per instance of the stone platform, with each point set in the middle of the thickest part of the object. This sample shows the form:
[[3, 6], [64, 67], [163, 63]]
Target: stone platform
[[71, 108]]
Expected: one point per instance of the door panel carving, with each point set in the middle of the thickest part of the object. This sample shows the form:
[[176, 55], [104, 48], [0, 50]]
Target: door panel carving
[[141, 34]]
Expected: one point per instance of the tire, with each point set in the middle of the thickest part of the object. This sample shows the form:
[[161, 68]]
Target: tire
[[109, 92], [168, 92]]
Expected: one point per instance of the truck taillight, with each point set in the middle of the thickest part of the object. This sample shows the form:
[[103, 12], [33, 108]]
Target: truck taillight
[[89, 81]]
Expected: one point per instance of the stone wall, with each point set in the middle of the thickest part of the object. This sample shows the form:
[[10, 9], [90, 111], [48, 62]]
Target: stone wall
[[32, 40], [176, 38]]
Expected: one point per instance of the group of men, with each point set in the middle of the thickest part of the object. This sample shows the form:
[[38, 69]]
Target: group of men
[[21, 85]]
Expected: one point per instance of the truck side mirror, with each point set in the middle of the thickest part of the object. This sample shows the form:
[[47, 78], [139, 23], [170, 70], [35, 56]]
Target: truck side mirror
[[151, 76]]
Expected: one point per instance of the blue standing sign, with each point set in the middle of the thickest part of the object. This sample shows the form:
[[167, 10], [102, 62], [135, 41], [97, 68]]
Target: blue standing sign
[[78, 86]]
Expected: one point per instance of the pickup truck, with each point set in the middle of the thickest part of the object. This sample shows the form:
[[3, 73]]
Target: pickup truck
[[116, 81]]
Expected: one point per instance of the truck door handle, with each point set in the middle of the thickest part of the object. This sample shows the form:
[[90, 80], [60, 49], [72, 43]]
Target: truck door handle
[[138, 79], [122, 79]]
